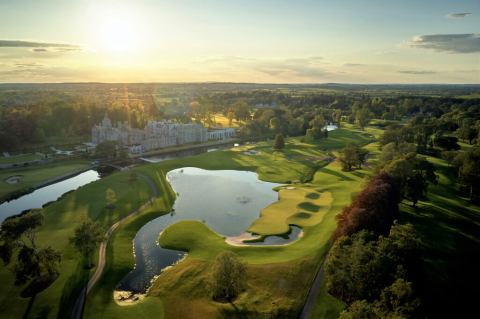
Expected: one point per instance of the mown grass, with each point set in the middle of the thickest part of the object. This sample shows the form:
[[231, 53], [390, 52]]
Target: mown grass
[[36, 175], [276, 218], [19, 158], [61, 218]]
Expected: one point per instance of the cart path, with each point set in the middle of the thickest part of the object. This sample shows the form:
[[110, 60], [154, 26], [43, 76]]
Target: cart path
[[77, 311], [312, 295]]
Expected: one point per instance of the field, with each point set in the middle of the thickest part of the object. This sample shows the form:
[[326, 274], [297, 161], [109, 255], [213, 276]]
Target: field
[[33, 176]]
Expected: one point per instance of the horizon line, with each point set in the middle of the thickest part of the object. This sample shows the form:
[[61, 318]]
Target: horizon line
[[227, 82]]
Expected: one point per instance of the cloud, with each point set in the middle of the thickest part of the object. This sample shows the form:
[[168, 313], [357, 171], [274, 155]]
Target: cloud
[[459, 15], [452, 43], [39, 50], [28, 65], [417, 72], [39, 46], [308, 68], [353, 64]]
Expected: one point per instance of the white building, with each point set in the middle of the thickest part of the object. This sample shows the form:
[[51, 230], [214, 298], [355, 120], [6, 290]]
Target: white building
[[155, 134], [221, 134]]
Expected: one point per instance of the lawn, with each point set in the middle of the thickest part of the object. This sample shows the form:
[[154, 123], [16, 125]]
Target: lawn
[[61, 218], [295, 206], [36, 175], [19, 158]]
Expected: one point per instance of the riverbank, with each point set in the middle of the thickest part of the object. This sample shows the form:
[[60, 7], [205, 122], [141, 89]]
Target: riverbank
[[34, 177], [187, 147]]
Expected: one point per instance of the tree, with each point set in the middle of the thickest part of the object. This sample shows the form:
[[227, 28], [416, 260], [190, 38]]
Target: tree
[[352, 155], [449, 156], [392, 151], [360, 309], [362, 116], [107, 149], [413, 175], [279, 143], [230, 117], [374, 208], [317, 124], [228, 276], [415, 187], [398, 301], [33, 265], [337, 117], [360, 266], [467, 131], [274, 125], [468, 164], [86, 238], [448, 143], [241, 110], [348, 156]]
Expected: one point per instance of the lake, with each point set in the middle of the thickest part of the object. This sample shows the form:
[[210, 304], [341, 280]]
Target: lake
[[228, 201], [43, 195]]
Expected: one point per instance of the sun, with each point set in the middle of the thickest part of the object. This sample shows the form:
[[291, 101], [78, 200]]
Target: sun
[[116, 30], [118, 34]]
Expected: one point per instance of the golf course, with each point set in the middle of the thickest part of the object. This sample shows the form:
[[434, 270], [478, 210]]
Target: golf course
[[318, 190]]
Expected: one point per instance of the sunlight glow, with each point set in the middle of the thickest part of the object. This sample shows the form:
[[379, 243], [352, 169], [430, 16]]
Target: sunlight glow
[[116, 30]]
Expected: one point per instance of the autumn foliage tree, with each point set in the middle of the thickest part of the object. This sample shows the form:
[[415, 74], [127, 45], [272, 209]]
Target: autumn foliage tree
[[375, 208]]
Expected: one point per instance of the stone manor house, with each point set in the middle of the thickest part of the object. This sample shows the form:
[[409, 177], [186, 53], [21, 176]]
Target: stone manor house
[[156, 134]]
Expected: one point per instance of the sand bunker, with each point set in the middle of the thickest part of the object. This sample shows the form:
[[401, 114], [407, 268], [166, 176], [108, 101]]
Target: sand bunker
[[127, 298], [14, 179]]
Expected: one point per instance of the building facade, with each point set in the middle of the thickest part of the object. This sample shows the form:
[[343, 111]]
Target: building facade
[[155, 134], [221, 134]]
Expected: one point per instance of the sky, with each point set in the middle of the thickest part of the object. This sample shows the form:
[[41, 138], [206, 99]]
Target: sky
[[263, 41]]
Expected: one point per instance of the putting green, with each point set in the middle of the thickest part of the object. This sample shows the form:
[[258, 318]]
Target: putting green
[[294, 207]]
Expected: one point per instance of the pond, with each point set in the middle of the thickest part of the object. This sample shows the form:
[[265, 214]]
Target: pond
[[186, 153], [228, 201], [43, 195]]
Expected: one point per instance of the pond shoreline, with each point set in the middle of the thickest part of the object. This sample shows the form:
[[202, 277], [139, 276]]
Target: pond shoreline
[[22, 192]]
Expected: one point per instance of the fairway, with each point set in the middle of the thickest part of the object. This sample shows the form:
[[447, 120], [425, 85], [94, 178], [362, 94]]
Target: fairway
[[32, 176]]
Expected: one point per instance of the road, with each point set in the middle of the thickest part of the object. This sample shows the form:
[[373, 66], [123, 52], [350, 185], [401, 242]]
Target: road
[[77, 311]]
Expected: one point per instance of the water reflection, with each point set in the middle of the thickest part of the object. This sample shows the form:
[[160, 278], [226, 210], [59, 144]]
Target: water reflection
[[227, 201], [46, 194]]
